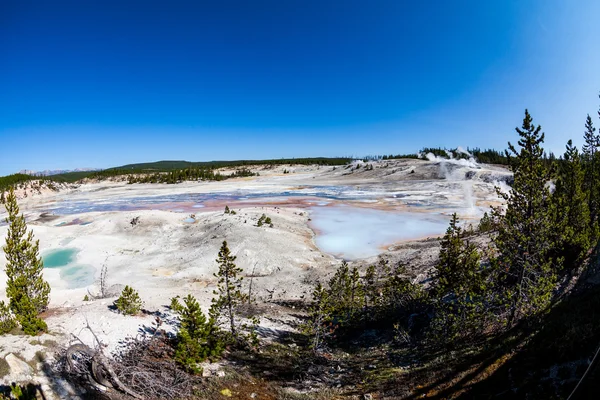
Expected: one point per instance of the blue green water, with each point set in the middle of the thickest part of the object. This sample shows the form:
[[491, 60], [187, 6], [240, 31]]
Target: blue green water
[[59, 258], [76, 275]]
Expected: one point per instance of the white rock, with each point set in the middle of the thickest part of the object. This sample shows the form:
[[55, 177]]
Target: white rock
[[18, 367]]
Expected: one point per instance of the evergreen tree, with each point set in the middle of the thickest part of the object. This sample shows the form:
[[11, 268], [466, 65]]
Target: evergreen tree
[[400, 296], [570, 211], [26, 288], [340, 287], [357, 292], [523, 241], [319, 325], [197, 338], [373, 287], [346, 294], [459, 286], [129, 303], [228, 290], [590, 155]]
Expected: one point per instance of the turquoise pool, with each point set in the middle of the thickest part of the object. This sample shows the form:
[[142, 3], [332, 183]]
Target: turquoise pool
[[75, 275], [59, 258]]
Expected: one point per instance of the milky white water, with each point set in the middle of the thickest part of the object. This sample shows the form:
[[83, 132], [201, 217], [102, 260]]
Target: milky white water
[[353, 233]]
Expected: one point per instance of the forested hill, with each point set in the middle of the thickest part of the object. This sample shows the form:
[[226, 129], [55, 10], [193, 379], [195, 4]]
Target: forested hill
[[172, 165], [166, 166]]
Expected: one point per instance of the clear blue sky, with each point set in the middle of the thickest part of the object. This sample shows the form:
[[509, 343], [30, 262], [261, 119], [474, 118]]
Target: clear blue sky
[[104, 83]]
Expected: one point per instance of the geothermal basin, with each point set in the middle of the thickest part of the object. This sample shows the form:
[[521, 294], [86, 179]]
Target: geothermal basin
[[320, 216]]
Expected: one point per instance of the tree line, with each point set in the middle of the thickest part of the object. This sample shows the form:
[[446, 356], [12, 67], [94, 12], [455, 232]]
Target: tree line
[[188, 174]]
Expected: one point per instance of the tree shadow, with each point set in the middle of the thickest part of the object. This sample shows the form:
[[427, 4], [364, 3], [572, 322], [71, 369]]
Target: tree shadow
[[554, 357]]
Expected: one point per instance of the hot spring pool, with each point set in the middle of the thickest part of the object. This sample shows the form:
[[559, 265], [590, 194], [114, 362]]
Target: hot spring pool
[[354, 233], [59, 258], [75, 275]]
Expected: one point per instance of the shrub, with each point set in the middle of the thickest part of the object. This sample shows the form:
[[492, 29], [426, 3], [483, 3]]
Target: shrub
[[264, 220], [129, 303]]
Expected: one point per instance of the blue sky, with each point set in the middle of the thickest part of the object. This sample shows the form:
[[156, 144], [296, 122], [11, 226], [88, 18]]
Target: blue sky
[[104, 83]]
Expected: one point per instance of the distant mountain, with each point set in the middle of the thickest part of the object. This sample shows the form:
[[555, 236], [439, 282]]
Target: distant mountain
[[56, 172]]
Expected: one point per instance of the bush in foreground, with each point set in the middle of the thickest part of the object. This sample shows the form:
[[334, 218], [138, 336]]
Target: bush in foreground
[[129, 303], [198, 339]]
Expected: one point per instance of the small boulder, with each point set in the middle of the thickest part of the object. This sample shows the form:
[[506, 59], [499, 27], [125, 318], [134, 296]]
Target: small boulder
[[19, 369]]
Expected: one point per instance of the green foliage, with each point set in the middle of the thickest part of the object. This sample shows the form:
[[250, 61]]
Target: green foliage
[[7, 319], [346, 294], [227, 211], [487, 223], [319, 326], [264, 220], [86, 298], [175, 304], [229, 295], [401, 297], [397, 156], [129, 303], [382, 298], [26, 289], [524, 240], [15, 180], [32, 324], [459, 288], [592, 175], [489, 156], [198, 339], [188, 174], [373, 283], [170, 171], [570, 212]]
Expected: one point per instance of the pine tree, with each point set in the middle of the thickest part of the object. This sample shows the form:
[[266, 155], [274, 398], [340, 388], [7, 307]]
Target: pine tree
[[342, 289], [129, 303], [590, 155], [197, 338], [400, 295], [373, 287], [26, 288], [459, 286], [570, 211], [320, 326], [526, 271], [228, 290]]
